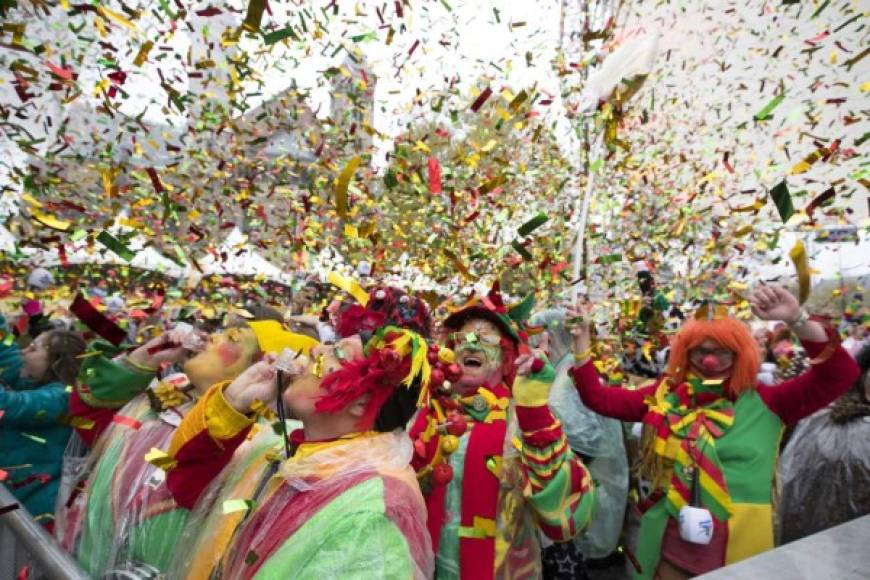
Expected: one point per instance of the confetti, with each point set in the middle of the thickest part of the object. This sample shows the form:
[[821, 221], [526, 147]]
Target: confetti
[[342, 185], [532, 224], [254, 15], [782, 198], [818, 201], [126, 421], [96, 321], [767, 110], [798, 255], [481, 99], [114, 244], [238, 505], [160, 459], [434, 176]]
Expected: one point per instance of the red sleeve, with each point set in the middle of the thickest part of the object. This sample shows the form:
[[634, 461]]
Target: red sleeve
[[199, 461], [539, 425], [818, 387], [615, 402], [90, 421]]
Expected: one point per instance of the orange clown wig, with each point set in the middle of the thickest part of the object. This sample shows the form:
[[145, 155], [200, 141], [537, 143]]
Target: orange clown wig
[[729, 333]]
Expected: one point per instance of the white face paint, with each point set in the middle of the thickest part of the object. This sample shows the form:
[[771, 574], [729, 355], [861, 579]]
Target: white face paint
[[478, 353]]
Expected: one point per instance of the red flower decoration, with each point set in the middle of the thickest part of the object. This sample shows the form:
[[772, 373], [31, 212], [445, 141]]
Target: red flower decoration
[[357, 320]]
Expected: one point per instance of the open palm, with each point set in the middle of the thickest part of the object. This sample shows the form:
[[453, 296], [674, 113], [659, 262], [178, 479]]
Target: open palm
[[774, 303]]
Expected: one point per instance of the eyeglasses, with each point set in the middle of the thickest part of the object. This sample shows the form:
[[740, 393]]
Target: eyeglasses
[[490, 338], [723, 354]]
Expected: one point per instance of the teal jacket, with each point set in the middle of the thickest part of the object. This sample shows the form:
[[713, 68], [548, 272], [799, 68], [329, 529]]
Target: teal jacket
[[33, 434]]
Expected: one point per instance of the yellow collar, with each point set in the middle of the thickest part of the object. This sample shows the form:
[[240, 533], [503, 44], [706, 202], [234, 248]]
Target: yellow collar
[[308, 449]]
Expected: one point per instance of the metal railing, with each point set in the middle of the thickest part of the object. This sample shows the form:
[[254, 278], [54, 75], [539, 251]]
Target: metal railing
[[23, 542]]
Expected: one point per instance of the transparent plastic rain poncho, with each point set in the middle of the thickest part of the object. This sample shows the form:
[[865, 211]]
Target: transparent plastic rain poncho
[[123, 517], [350, 510], [824, 474], [592, 435]]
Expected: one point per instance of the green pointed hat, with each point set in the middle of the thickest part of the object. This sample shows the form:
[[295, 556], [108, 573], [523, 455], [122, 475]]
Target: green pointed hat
[[511, 320]]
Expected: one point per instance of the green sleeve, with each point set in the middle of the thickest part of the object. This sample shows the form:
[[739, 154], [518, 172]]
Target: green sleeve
[[106, 382], [565, 506], [34, 407]]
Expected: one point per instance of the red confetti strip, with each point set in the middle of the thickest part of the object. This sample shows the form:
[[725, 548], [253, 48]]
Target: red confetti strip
[[434, 176], [819, 200], [835, 145], [478, 103], [61, 252], [725, 162], [95, 320], [127, 422], [63, 73], [155, 179], [817, 39]]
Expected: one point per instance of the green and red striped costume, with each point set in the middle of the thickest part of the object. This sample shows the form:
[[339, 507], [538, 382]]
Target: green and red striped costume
[[514, 474], [733, 442]]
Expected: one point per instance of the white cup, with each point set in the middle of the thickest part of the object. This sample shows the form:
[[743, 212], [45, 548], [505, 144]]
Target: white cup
[[696, 525]]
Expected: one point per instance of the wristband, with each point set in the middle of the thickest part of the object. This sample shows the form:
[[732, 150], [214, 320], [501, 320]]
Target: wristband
[[802, 319], [583, 356]]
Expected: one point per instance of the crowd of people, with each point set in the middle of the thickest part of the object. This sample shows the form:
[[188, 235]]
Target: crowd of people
[[336, 430]]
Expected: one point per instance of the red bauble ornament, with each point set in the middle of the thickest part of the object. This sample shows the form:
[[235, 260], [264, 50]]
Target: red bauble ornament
[[436, 378], [449, 404], [456, 424], [454, 372], [537, 365], [442, 474], [432, 356]]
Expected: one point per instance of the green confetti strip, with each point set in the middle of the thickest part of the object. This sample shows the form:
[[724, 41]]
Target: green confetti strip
[[764, 113], [116, 245], [533, 224], [782, 198]]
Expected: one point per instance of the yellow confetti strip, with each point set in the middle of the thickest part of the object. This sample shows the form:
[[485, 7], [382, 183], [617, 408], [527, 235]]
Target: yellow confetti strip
[[342, 185], [798, 255], [160, 459]]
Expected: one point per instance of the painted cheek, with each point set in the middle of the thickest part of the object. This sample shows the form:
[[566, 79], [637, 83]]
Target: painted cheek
[[229, 353]]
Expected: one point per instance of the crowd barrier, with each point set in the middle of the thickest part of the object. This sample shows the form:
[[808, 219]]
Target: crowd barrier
[[838, 553], [27, 551]]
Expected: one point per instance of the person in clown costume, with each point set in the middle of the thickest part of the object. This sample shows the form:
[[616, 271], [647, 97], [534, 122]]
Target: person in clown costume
[[340, 500], [711, 434], [493, 461], [120, 517]]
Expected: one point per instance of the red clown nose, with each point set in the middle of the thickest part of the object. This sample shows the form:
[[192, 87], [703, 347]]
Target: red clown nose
[[710, 364]]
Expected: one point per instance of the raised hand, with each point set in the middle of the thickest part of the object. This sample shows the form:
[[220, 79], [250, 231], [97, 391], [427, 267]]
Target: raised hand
[[166, 348], [578, 322], [774, 303], [531, 362], [257, 383]]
